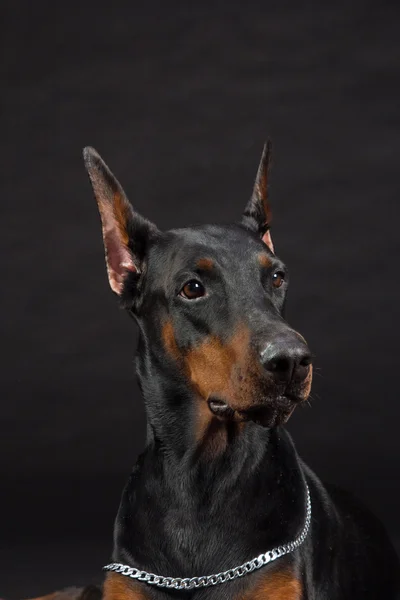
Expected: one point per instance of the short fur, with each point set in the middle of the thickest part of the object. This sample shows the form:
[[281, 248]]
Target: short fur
[[220, 481]]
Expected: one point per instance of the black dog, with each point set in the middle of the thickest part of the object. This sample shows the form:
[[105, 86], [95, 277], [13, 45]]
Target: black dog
[[220, 482]]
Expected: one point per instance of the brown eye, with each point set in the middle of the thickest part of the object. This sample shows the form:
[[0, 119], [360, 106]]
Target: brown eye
[[192, 289], [278, 278]]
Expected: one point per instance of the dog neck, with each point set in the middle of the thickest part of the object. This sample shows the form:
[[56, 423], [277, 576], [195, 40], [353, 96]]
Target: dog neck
[[238, 487], [184, 429]]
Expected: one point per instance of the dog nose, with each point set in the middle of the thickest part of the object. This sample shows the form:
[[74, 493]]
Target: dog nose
[[287, 359]]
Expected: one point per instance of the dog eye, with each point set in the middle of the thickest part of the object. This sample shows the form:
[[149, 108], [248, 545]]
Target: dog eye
[[192, 289], [278, 278]]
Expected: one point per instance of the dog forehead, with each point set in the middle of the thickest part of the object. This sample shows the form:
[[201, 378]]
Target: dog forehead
[[182, 248]]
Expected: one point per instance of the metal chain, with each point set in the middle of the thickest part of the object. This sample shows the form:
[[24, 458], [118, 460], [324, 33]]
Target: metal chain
[[189, 583]]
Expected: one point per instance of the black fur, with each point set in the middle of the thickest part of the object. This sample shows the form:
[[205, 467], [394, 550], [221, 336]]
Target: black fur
[[189, 509]]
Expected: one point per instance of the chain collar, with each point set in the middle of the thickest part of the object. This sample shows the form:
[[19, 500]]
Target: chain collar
[[189, 583]]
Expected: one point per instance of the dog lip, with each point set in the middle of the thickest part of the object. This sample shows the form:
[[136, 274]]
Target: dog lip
[[219, 407], [261, 412], [292, 397]]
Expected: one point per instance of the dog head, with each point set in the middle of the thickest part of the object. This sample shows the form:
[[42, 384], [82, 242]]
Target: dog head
[[209, 302]]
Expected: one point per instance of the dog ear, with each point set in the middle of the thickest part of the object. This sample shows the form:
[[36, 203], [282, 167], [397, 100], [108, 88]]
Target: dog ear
[[125, 233], [257, 215]]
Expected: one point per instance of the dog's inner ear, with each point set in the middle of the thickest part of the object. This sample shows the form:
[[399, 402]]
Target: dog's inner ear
[[125, 233], [257, 214]]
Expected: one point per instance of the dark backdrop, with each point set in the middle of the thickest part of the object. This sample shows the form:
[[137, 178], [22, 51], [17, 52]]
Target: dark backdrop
[[179, 101]]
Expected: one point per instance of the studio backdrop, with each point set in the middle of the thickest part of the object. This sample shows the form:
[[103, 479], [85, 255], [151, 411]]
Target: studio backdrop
[[179, 98]]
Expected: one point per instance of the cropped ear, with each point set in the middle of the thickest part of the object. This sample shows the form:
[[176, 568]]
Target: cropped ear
[[257, 215], [125, 233]]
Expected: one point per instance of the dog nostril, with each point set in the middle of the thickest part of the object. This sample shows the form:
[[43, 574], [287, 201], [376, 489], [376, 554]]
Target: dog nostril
[[306, 361], [279, 365], [286, 360]]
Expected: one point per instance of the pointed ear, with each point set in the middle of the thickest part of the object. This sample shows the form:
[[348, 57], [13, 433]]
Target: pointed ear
[[125, 233], [257, 215]]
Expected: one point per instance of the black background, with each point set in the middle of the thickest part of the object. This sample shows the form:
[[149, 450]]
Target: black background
[[178, 98]]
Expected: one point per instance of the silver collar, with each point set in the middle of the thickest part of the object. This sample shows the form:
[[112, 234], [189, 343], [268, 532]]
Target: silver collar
[[189, 583]]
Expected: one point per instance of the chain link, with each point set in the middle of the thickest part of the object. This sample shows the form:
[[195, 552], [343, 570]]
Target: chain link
[[189, 583]]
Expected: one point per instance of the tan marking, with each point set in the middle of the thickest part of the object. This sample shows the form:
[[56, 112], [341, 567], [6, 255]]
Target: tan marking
[[276, 586], [205, 264], [74, 593], [216, 369], [229, 371], [306, 384], [169, 340], [204, 418], [61, 595], [226, 371], [212, 433], [209, 430], [264, 260], [118, 587]]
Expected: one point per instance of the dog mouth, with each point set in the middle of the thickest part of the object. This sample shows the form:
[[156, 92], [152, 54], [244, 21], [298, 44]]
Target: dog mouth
[[220, 408], [267, 414]]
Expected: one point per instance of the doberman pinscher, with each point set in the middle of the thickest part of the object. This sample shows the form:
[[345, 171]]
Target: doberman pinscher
[[220, 490]]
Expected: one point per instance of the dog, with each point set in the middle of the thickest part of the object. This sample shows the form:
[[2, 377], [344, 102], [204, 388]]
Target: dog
[[220, 505]]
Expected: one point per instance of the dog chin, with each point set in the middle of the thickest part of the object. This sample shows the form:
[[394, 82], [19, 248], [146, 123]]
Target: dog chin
[[267, 414]]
